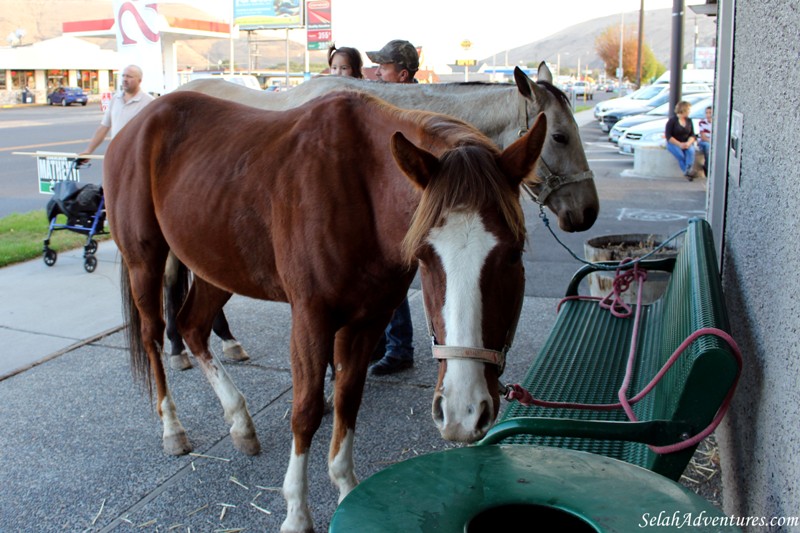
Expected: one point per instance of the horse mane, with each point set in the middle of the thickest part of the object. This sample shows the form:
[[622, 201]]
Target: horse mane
[[469, 178], [560, 95]]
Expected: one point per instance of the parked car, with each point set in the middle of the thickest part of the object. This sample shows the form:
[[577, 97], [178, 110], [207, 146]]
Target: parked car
[[612, 116], [651, 134], [640, 97], [583, 89], [664, 110], [635, 98], [67, 96]]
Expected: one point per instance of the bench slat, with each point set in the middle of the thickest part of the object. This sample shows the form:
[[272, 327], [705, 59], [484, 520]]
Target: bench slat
[[584, 361]]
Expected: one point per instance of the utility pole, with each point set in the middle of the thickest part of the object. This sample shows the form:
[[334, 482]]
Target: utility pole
[[621, 40], [641, 43], [676, 56]]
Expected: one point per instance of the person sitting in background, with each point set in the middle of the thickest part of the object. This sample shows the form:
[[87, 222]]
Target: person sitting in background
[[345, 61], [704, 143], [679, 133]]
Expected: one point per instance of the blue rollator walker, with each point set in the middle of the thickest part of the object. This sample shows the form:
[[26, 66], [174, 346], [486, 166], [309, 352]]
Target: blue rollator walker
[[84, 207]]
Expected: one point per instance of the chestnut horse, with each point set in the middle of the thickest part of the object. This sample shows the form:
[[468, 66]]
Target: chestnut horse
[[562, 180], [288, 191]]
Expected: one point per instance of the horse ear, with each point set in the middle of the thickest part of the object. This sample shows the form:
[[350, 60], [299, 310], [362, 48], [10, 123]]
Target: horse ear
[[544, 74], [415, 162], [518, 160], [526, 86]]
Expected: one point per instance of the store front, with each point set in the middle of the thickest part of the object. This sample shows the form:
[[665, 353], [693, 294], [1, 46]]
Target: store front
[[21, 79], [57, 78]]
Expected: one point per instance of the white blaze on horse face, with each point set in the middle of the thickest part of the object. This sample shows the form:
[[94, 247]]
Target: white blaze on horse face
[[463, 244]]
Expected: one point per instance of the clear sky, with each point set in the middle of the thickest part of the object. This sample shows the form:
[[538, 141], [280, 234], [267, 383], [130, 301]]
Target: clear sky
[[439, 26]]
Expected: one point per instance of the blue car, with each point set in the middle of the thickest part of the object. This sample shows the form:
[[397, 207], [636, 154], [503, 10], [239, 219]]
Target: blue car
[[67, 96]]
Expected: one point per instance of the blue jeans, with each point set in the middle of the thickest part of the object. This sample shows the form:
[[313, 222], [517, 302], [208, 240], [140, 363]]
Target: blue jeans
[[685, 157], [400, 333], [705, 147]]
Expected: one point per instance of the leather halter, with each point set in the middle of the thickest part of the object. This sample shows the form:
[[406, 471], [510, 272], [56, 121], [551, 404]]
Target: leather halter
[[485, 355], [550, 182]]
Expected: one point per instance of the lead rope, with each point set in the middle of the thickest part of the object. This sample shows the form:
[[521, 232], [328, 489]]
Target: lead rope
[[613, 303]]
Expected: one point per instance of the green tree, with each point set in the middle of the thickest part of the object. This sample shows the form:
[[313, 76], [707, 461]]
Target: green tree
[[607, 47]]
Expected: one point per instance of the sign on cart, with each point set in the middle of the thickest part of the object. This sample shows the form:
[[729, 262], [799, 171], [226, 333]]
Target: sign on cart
[[53, 169]]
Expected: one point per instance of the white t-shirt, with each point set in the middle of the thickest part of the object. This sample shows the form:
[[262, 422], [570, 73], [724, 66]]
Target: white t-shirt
[[120, 112]]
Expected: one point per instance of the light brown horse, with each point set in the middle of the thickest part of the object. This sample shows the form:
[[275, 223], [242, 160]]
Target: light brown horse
[[562, 179], [288, 191]]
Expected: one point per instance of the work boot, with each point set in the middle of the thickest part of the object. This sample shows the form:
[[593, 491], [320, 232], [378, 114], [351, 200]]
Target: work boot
[[390, 365]]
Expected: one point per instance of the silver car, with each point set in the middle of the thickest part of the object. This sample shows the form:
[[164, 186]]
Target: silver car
[[651, 134], [654, 114]]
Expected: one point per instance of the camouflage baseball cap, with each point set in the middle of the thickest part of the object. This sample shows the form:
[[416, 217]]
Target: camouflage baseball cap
[[401, 52]]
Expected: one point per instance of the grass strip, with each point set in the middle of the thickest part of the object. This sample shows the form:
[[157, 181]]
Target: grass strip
[[22, 237]]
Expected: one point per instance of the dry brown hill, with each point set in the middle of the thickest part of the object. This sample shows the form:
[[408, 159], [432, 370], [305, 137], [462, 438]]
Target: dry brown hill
[[42, 19]]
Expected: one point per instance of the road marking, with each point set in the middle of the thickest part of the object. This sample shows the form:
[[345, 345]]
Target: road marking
[[654, 215], [23, 124], [45, 145]]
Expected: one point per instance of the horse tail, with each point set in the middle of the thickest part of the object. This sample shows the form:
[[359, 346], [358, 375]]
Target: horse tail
[[140, 362]]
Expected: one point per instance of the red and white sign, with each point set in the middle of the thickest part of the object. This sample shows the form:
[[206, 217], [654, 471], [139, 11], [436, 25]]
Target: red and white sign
[[139, 41], [105, 100], [318, 17]]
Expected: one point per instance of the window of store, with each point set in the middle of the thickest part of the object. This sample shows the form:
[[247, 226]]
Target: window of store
[[87, 80], [57, 78], [22, 78], [2, 80]]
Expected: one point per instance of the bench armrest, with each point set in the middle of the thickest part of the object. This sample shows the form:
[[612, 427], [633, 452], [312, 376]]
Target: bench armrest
[[663, 265], [655, 432]]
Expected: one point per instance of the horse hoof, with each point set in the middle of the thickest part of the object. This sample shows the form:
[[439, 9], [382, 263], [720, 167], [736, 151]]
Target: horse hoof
[[297, 525], [247, 445], [177, 444], [180, 361], [233, 350]]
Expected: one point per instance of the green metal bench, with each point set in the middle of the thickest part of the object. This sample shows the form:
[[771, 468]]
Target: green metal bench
[[584, 361]]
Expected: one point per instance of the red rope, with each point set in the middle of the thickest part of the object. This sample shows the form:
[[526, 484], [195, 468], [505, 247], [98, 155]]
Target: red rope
[[613, 302]]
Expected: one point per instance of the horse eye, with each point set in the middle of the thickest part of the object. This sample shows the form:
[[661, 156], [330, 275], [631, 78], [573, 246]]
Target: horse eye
[[560, 138]]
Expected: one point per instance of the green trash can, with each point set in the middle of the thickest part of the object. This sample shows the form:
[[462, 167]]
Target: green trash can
[[530, 488]]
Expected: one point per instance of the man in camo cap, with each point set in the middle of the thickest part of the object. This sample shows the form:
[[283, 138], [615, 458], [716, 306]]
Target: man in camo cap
[[398, 62]]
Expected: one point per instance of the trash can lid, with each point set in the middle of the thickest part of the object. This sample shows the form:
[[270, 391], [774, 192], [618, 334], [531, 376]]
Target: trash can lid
[[454, 489]]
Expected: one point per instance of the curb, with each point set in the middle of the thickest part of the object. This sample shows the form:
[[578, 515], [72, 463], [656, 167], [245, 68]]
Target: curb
[[62, 351]]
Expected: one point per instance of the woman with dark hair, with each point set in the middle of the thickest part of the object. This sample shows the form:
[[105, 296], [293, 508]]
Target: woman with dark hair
[[344, 61]]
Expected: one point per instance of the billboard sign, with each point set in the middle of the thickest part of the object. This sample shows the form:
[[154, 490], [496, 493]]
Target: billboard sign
[[267, 14], [318, 33], [139, 41]]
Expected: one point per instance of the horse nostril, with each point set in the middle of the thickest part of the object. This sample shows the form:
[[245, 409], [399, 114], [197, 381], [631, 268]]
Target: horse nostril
[[565, 221], [437, 412], [589, 217], [486, 417]]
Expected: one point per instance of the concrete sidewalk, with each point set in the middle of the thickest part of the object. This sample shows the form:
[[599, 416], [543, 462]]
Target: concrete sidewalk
[[46, 310], [81, 449]]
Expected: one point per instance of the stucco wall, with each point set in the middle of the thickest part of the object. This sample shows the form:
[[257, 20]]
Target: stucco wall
[[760, 439]]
